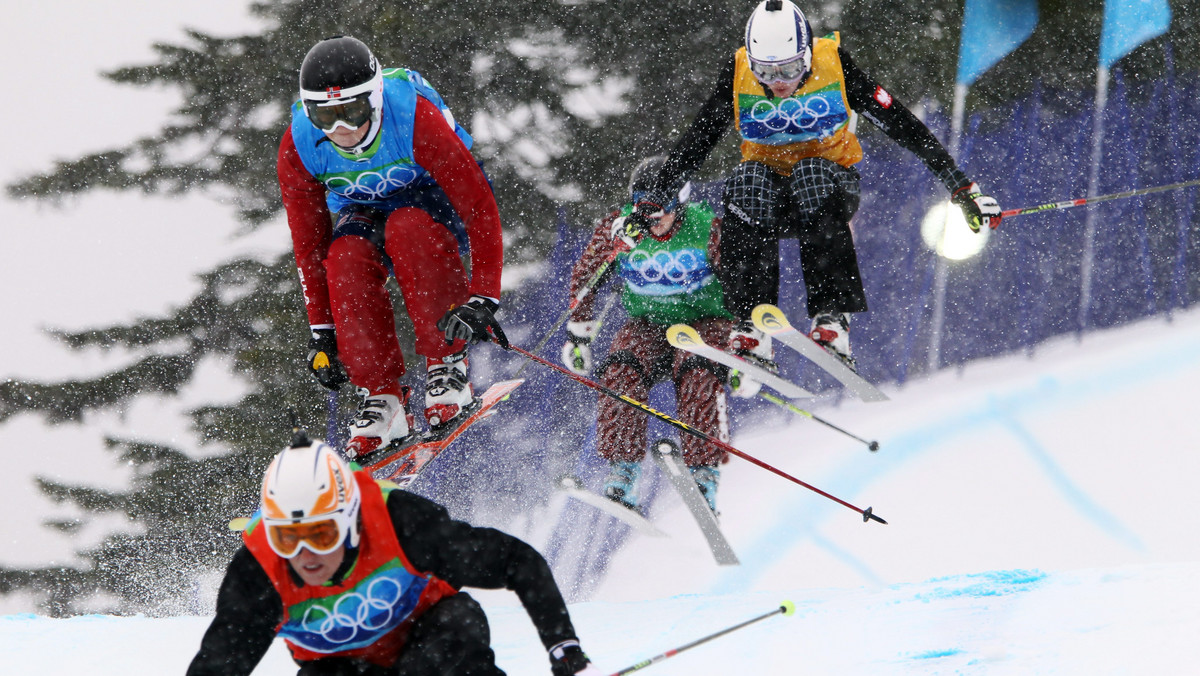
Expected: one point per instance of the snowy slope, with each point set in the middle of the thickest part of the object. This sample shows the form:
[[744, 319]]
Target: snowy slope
[[1122, 620], [1080, 457], [1039, 523]]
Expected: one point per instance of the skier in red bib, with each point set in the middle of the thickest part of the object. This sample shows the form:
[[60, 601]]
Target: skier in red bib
[[793, 99], [363, 579], [378, 179]]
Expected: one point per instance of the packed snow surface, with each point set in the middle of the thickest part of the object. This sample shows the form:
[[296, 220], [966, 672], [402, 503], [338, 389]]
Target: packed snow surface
[[1039, 522]]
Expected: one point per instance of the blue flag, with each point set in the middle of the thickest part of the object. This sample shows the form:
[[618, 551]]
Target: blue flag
[[991, 29], [1129, 23]]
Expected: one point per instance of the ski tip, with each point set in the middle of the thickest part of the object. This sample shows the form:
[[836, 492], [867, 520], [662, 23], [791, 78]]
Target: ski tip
[[239, 524], [873, 446], [683, 336], [769, 318], [868, 515], [787, 608]]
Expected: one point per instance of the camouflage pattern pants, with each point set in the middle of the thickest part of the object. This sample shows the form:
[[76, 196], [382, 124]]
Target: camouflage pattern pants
[[639, 358]]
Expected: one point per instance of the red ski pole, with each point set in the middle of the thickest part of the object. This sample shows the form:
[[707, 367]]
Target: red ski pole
[[1083, 201], [786, 608], [645, 408]]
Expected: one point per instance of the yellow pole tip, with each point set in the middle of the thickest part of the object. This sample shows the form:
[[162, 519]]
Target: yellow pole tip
[[788, 607]]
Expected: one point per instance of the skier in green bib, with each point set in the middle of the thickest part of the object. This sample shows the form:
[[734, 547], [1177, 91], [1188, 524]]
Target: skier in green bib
[[668, 277]]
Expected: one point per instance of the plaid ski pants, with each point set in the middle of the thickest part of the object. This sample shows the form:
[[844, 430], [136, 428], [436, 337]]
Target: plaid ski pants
[[813, 205]]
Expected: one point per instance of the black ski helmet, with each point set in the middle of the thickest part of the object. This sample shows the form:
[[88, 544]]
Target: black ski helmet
[[341, 73], [645, 176]]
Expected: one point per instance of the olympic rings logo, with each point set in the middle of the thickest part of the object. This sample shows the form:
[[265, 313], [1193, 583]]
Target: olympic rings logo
[[372, 185], [791, 112], [672, 266], [354, 612]]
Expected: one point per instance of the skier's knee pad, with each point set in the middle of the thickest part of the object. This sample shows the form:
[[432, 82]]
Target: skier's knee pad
[[821, 185], [623, 358], [752, 193]]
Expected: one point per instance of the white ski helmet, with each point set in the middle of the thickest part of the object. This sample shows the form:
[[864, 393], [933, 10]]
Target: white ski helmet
[[779, 42], [310, 499], [341, 84]]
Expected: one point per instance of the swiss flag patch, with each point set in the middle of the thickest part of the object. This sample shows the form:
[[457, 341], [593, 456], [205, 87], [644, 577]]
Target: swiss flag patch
[[884, 98]]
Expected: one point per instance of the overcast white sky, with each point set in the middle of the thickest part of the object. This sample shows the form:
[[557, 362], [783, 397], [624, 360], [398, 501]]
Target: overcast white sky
[[100, 259]]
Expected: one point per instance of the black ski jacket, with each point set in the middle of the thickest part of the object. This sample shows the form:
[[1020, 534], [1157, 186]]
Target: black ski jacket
[[866, 97], [249, 608]]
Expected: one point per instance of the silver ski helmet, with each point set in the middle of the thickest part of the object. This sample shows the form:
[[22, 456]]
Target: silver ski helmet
[[341, 84], [779, 42]]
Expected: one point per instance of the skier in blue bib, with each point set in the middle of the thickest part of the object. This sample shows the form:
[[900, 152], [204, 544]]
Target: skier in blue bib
[[378, 179]]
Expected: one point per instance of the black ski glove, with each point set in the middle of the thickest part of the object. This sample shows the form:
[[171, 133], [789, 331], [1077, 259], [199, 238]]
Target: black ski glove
[[979, 209], [567, 659], [645, 213], [472, 320], [323, 359]]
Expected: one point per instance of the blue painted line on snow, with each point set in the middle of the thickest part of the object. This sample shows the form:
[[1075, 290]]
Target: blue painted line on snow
[[1075, 495], [759, 556]]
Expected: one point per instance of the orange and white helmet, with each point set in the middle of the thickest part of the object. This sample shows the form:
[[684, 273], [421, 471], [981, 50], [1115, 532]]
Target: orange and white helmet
[[310, 499]]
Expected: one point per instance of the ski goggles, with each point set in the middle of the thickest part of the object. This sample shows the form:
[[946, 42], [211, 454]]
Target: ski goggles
[[353, 113], [793, 70], [637, 197], [320, 537]]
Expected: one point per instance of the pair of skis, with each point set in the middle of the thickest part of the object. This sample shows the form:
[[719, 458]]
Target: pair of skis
[[667, 457], [771, 321], [401, 463]]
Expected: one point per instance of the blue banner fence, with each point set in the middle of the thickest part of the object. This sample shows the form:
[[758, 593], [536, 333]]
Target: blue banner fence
[[1023, 289]]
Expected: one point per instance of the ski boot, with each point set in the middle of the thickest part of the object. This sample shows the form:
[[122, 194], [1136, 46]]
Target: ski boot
[[382, 419], [706, 479], [448, 391], [831, 330], [755, 347], [621, 482]]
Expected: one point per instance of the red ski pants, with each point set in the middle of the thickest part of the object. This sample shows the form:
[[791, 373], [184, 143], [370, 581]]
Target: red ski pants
[[641, 357], [432, 279]]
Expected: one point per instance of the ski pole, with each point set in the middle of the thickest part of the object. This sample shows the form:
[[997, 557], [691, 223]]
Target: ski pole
[[680, 425], [783, 403], [787, 608], [1053, 206], [588, 287], [331, 423]]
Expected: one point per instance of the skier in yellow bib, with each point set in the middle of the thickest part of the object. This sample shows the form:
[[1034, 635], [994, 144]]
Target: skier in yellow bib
[[792, 98]]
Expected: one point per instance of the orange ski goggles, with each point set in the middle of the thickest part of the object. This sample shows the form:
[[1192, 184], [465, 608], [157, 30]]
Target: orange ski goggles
[[320, 537]]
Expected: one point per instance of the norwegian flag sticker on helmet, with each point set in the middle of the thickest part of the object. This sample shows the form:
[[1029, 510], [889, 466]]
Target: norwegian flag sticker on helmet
[[333, 92]]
